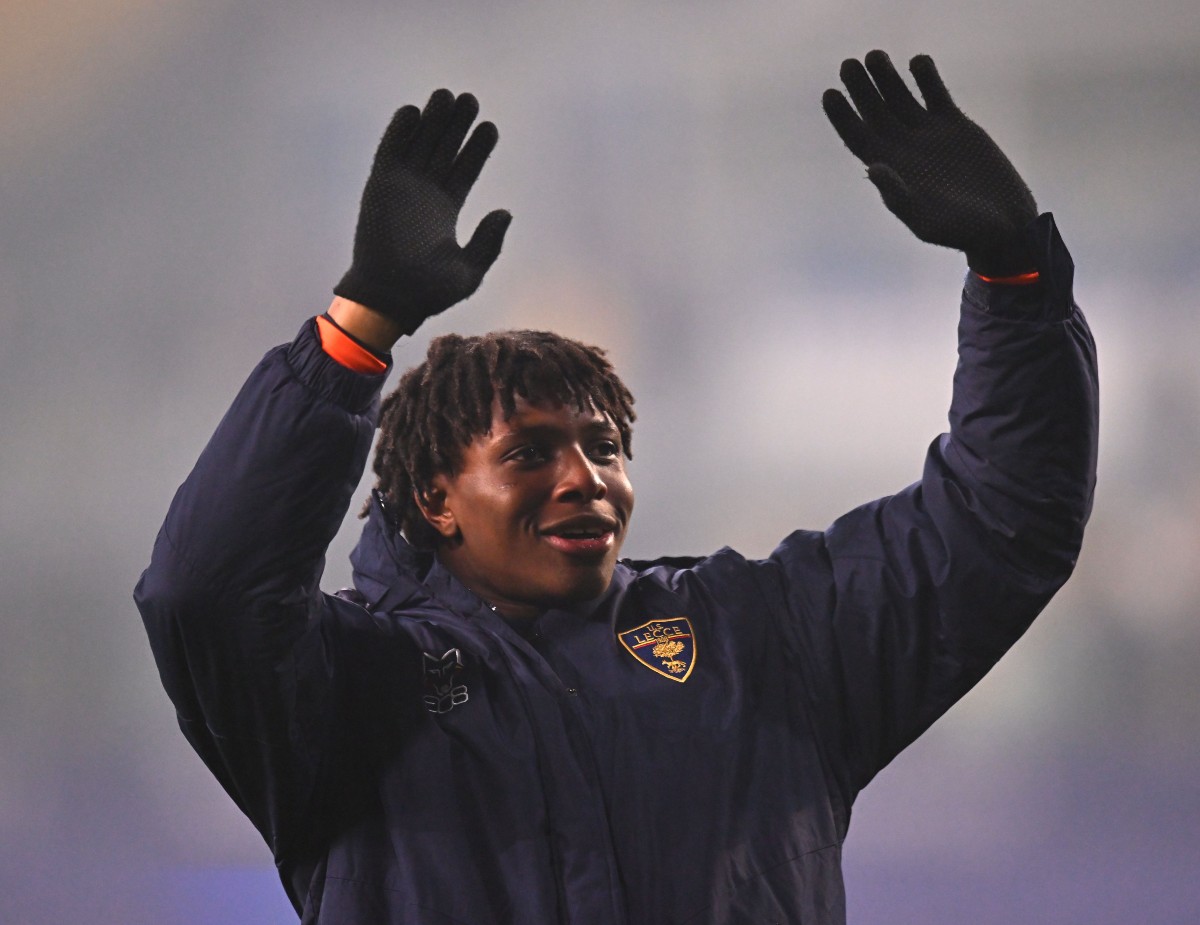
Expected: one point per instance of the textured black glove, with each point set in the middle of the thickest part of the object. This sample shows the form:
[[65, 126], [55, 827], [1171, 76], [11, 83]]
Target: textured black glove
[[937, 171], [407, 263]]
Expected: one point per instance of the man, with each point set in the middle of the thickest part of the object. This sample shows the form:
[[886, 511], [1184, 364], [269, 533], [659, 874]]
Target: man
[[502, 723]]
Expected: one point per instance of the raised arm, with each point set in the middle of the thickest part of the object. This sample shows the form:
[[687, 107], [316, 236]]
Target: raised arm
[[248, 648], [903, 604]]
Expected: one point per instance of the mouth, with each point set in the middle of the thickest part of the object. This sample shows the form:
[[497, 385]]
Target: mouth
[[584, 538]]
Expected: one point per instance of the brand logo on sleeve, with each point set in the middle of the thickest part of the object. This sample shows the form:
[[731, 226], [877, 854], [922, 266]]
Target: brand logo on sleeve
[[666, 647], [441, 676]]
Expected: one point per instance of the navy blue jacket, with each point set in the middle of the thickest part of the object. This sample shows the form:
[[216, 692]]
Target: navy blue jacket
[[685, 749]]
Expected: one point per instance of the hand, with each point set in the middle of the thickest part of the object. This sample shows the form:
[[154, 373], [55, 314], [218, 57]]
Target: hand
[[407, 263], [937, 171]]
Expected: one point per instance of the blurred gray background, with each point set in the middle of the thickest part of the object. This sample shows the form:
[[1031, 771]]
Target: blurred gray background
[[178, 187]]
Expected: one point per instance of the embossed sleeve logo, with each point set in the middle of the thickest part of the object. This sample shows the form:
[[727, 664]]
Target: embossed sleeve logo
[[443, 690], [666, 647]]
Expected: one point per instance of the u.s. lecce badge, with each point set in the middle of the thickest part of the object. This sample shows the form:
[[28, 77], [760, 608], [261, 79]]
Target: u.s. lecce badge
[[667, 647]]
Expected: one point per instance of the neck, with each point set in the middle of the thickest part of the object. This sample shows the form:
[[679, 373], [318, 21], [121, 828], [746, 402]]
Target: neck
[[517, 613]]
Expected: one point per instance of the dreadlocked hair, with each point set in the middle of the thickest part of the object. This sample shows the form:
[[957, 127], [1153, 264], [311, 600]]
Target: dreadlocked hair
[[442, 405]]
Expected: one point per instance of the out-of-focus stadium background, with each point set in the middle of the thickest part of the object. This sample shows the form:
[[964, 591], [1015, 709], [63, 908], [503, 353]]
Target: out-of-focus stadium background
[[178, 187]]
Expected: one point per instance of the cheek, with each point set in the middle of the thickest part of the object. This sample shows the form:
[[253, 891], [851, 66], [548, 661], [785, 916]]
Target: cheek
[[620, 490], [515, 505]]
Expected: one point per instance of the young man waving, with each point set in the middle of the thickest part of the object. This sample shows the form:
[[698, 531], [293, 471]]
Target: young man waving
[[505, 723]]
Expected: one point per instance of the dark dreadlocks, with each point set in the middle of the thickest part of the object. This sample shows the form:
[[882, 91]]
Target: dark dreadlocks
[[440, 406]]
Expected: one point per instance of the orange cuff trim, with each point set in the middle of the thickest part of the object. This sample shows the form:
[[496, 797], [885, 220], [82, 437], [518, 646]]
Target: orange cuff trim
[[343, 348], [1021, 279]]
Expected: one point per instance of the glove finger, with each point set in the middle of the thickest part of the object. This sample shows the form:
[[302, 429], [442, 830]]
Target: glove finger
[[896, 194], [484, 247], [466, 108], [398, 133], [465, 169], [866, 96], [925, 73], [850, 128], [896, 95], [433, 124]]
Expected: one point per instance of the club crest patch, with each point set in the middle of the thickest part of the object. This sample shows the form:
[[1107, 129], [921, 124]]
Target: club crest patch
[[666, 647], [442, 681]]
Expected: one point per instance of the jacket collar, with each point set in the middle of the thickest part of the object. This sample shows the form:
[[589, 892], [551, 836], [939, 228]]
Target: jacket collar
[[387, 570]]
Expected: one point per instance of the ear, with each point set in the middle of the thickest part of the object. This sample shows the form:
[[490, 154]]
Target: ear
[[432, 502]]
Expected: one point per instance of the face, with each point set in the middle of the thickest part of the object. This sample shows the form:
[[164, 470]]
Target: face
[[536, 515]]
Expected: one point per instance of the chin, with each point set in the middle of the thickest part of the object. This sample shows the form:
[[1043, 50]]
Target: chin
[[588, 587]]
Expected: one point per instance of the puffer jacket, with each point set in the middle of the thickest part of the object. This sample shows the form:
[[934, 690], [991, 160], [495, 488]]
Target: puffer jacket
[[686, 748]]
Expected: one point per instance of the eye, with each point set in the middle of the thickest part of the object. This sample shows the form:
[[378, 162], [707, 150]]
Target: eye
[[606, 450], [529, 455]]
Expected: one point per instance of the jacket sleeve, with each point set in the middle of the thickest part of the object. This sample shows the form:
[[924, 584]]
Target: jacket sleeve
[[902, 605], [238, 626]]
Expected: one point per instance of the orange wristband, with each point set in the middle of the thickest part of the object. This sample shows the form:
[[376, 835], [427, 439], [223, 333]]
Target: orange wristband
[[1021, 279], [345, 350]]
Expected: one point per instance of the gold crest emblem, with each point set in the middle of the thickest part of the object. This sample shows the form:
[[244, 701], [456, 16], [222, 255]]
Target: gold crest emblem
[[666, 647]]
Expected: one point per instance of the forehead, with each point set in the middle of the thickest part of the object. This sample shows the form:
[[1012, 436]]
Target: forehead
[[529, 414]]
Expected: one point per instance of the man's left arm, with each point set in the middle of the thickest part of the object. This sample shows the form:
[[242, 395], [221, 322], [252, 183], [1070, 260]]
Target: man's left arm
[[901, 606], [928, 588]]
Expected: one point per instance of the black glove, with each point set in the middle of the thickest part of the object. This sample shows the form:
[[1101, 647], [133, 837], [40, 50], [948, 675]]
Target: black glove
[[407, 263], [937, 171]]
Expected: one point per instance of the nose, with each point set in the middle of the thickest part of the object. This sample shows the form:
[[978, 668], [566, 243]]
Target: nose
[[579, 478]]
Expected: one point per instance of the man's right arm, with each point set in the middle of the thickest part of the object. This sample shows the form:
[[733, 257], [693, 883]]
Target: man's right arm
[[231, 601], [240, 630]]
